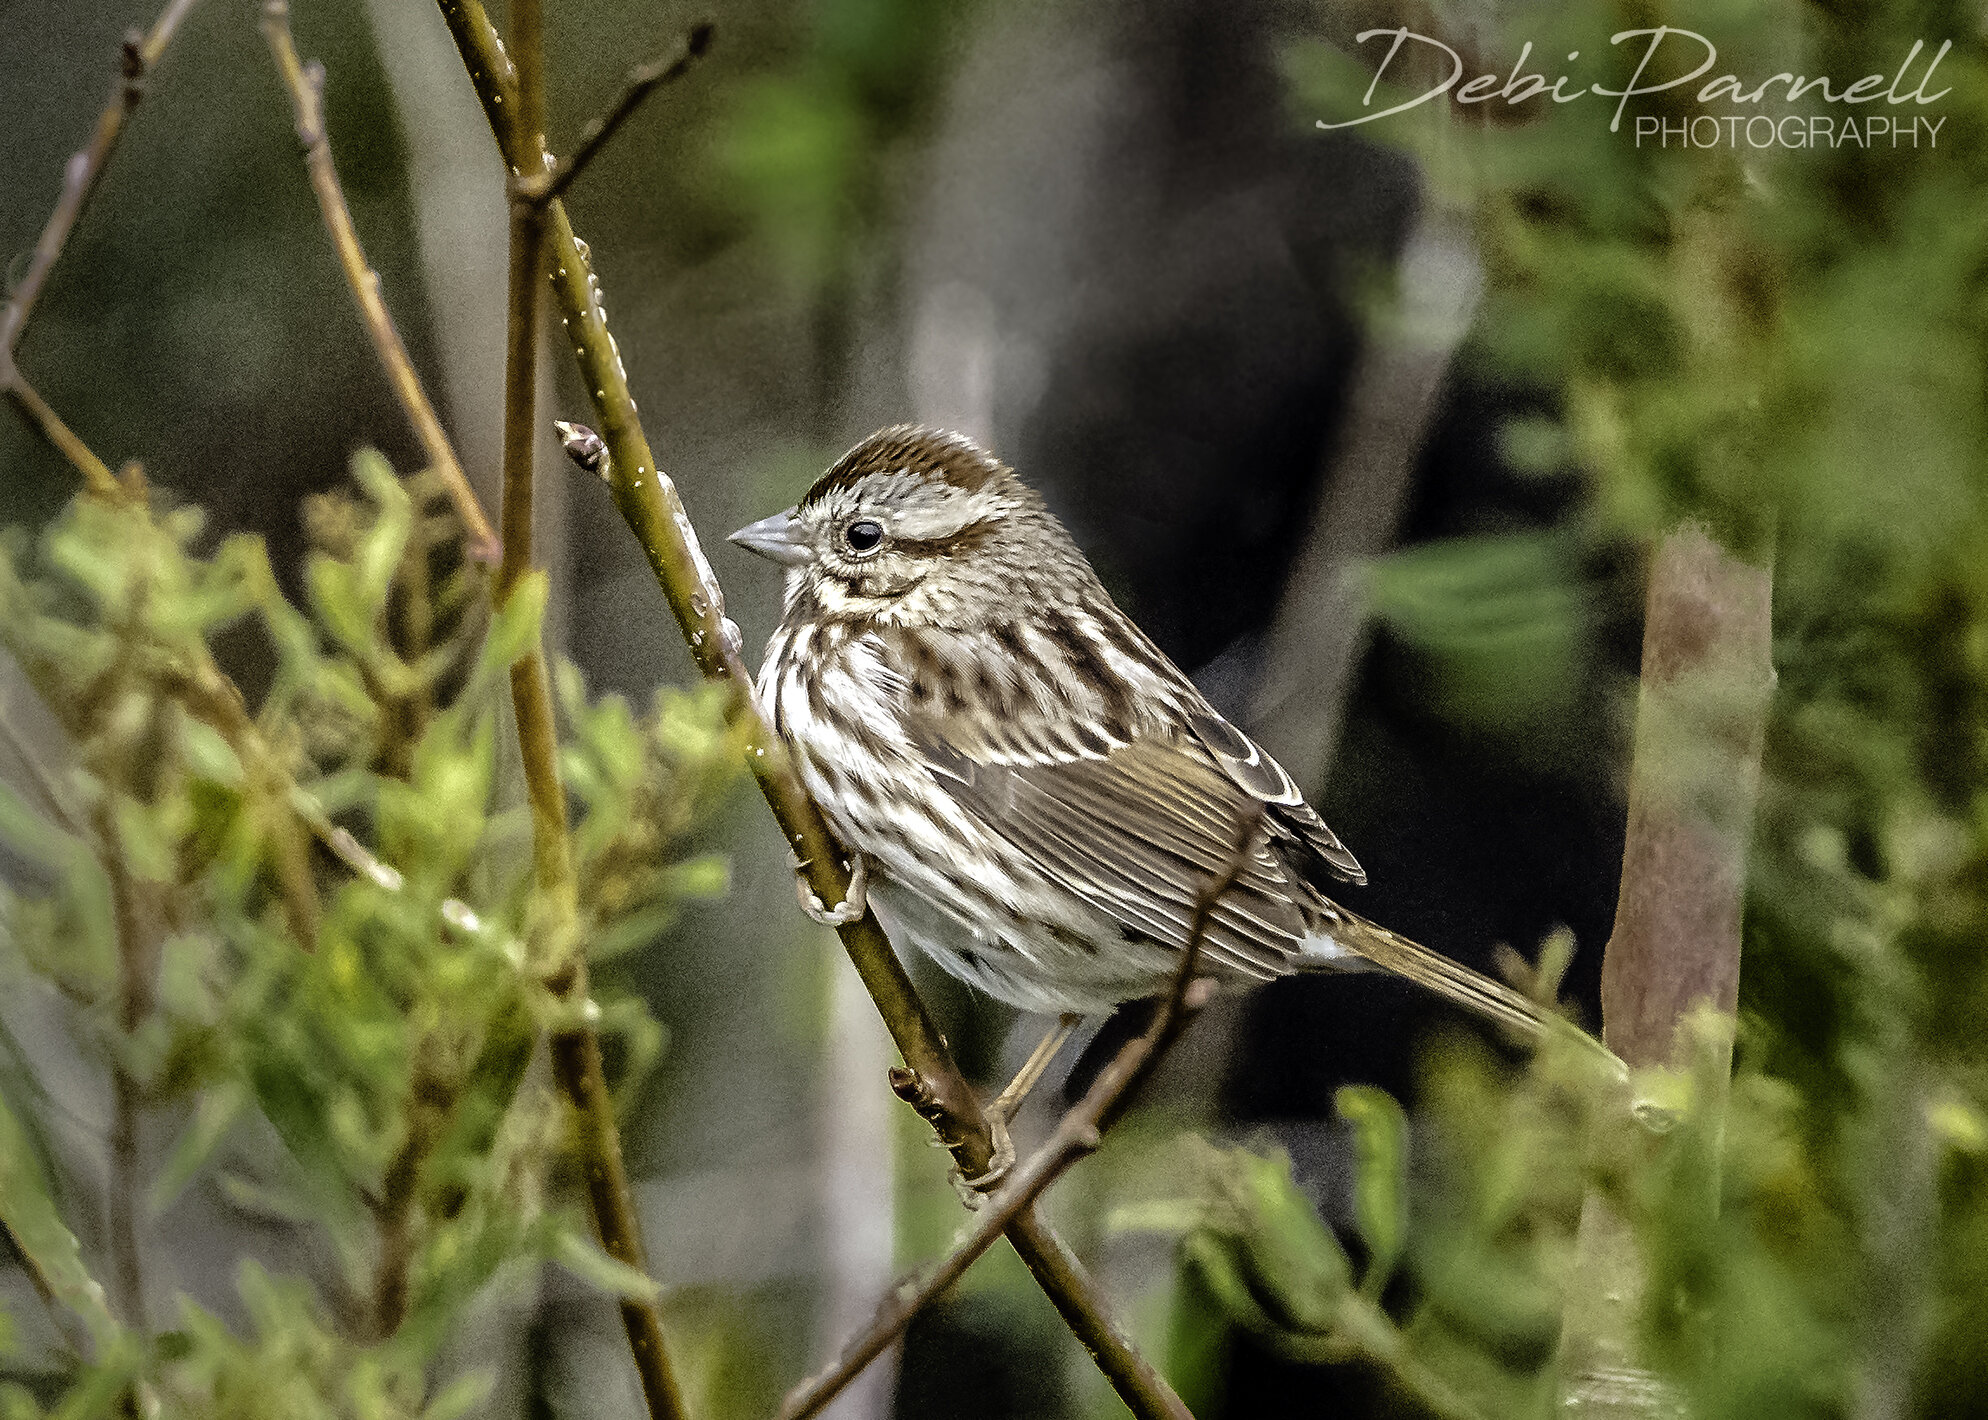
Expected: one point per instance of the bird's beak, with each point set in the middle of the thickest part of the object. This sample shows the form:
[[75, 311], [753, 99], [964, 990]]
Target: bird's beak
[[777, 537]]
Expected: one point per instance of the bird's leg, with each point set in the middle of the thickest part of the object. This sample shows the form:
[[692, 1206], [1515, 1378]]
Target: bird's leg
[[1009, 1101], [853, 904]]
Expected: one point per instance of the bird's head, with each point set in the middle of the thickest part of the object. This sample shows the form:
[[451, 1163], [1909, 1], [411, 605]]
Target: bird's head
[[912, 526]]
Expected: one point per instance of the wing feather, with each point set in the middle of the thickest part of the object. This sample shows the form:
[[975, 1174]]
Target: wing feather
[[1134, 833]]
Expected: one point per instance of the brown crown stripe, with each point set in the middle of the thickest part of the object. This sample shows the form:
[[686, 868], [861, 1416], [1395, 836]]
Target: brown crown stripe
[[951, 458]]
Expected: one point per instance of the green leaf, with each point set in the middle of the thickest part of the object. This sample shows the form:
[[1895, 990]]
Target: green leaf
[[378, 556], [336, 598], [28, 1211], [301, 1113], [460, 1397], [83, 918], [1217, 1260], [587, 1262], [514, 629], [706, 876], [1380, 1177], [628, 933], [213, 1116], [1500, 620], [30, 835], [208, 755], [1295, 1265]]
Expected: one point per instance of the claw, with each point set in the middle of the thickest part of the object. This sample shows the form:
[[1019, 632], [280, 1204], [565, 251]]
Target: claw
[[972, 1191], [854, 902]]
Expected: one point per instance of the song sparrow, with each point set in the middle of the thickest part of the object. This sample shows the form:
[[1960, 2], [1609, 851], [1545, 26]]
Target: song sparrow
[[1037, 793]]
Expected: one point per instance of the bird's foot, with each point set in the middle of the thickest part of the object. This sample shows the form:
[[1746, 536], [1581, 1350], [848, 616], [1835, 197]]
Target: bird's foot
[[854, 902], [973, 1191]]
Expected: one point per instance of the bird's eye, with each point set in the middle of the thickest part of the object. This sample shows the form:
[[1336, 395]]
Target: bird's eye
[[863, 535]]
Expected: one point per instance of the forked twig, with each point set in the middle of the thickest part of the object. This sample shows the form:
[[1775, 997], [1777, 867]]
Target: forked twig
[[1078, 1133], [306, 85]]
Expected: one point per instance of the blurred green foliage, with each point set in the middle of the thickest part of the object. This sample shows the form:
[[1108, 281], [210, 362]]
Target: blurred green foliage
[[347, 1037], [1790, 346]]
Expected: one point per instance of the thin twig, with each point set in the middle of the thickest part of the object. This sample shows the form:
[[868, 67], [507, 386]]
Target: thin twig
[[647, 498], [576, 1050], [642, 80], [1088, 1315], [97, 476], [140, 55], [1078, 1133], [134, 1003], [306, 85], [79, 181]]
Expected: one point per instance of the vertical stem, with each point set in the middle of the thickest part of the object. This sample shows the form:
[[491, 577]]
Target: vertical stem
[[576, 1052], [1707, 674], [134, 1003], [576, 1061], [1700, 720]]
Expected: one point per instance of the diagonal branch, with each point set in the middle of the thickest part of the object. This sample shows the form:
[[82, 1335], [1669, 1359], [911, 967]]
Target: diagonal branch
[[1078, 1133], [648, 501], [306, 85], [642, 80], [141, 53], [97, 476]]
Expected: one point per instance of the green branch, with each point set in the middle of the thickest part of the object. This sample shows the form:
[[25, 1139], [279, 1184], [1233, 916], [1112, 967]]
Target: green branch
[[576, 1050]]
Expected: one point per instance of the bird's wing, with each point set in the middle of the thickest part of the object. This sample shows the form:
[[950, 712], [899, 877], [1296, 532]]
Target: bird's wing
[[1137, 831], [1255, 772]]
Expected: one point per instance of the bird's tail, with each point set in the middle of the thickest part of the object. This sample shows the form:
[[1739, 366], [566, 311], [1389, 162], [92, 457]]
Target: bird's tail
[[1345, 935]]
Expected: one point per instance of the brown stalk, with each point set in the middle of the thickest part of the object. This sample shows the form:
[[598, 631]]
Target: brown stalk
[[135, 966], [306, 85], [97, 476], [1707, 676], [648, 501], [1078, 1133], [140, 54]]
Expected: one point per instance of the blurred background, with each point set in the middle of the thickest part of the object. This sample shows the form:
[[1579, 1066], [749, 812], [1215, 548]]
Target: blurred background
[[1104, 238]]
